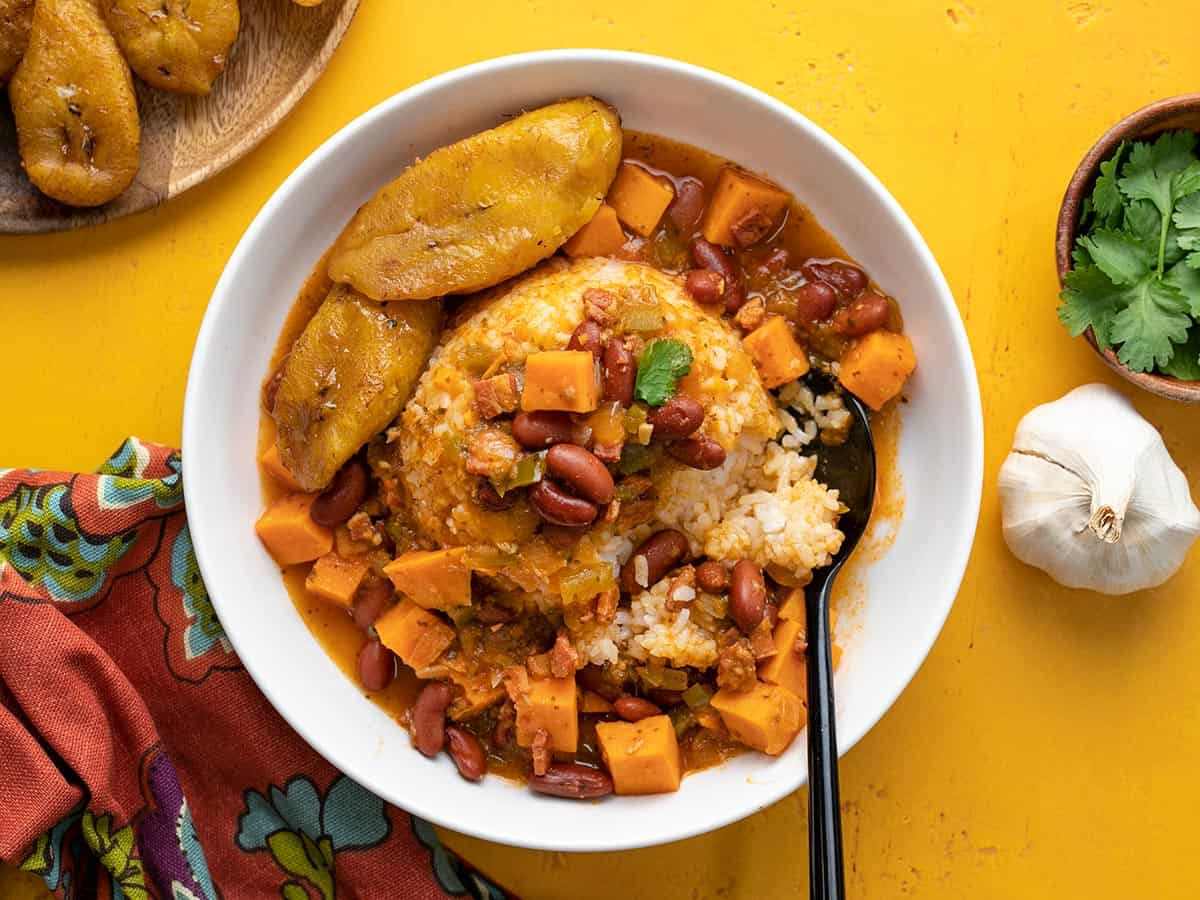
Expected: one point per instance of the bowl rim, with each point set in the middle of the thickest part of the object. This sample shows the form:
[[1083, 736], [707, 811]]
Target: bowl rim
[[972, 435], [1139, 123]]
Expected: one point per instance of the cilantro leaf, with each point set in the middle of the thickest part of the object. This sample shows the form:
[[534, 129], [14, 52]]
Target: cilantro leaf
[[1119, 255], [1185, 364], [662, 364], [1162, 172], [1142, 220], [1187, 281], [1106, 198], [1091, 300], [1140, 180], [1187, 221], [1149, 327], [1187, 182]]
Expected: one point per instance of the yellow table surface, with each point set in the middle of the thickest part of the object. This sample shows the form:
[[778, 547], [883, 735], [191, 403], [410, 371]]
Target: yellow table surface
[[1049, 745]]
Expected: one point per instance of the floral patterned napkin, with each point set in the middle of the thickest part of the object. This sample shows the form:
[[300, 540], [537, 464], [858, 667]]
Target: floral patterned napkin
[[137, 757]]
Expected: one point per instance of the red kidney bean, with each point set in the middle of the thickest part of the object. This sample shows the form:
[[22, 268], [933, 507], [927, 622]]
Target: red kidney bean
[[815, 301], [677, 418], [588, 336], [466, 751], [540, 429], [867, 313], [372, 599], [561, 538], [634, 709], [847, 280], [705, 286], [428, 716], [559, 508], [708, 255], [711, 576], [376, 665], [698, 452], [747, 595], [619, 371], [338, 502], [687, 207], [573, 781], [665, 698], [662, 550], [489, 498], [581, 471]]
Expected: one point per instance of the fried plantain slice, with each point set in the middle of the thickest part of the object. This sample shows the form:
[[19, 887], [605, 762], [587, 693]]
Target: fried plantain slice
[[348, 375], [175, 45], [15, 19], [480, 211], [74, 106]]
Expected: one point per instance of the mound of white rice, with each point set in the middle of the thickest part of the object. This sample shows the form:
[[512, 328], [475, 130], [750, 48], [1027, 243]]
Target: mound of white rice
[[649, 630]]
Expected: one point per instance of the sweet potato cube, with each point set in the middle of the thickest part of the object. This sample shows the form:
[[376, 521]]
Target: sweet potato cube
[[478, 693], [793, 606], [546, 703], [290, 534], [274, 467], [875, 368], [336, 578], [561, 379], [640, 198], [764, 718], [601, 236], [416, 636], [787, 668], [743, 209], [776, 354], [642, 757], [434, 579]]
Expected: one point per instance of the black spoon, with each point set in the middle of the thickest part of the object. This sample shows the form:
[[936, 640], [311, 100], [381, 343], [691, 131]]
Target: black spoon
[[850, 468]]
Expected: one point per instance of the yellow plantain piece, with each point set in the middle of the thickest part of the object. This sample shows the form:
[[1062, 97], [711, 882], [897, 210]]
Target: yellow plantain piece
[[348, 375], [74, 106], [175, 45], [480, 211], [15, 19]]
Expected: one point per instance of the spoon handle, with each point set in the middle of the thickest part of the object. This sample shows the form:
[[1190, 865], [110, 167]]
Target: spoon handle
[[825, 876]]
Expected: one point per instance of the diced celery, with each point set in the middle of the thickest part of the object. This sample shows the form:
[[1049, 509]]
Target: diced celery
[[583, 581], [635, 458], [488, 560], [696, 696], [642, 318], [663, 678], [529, 470], [635, 418], [682, 719], [460, 615]]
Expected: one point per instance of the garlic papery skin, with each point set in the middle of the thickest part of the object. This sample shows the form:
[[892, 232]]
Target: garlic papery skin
[[1090, 494]]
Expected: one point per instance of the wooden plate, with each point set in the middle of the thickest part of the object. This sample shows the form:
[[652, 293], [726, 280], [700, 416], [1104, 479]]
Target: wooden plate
[[280, 51]]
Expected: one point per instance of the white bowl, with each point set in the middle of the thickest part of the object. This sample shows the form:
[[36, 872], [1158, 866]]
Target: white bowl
[[909, 592]]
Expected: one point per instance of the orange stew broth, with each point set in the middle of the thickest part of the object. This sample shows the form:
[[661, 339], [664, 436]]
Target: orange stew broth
[[803, 238]]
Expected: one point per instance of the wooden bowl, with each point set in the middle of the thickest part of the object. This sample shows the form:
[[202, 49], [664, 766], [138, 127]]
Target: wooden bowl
[[281, 49], [1171, 114]]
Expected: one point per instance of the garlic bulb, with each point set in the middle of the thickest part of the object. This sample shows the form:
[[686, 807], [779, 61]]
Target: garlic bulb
[[1090, 495]]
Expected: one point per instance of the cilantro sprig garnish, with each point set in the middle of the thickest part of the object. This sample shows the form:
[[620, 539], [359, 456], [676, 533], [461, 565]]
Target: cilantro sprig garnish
[[1136, 275], [662, 364]]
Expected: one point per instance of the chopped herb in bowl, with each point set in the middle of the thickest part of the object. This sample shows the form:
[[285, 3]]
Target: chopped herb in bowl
[[1136, 275]]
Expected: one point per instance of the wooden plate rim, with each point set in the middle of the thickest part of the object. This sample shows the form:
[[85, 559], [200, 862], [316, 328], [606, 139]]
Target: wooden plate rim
[[86, 217]]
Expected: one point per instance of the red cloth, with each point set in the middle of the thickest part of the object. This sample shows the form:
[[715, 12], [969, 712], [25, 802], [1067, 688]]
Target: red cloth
[[137, 757]]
